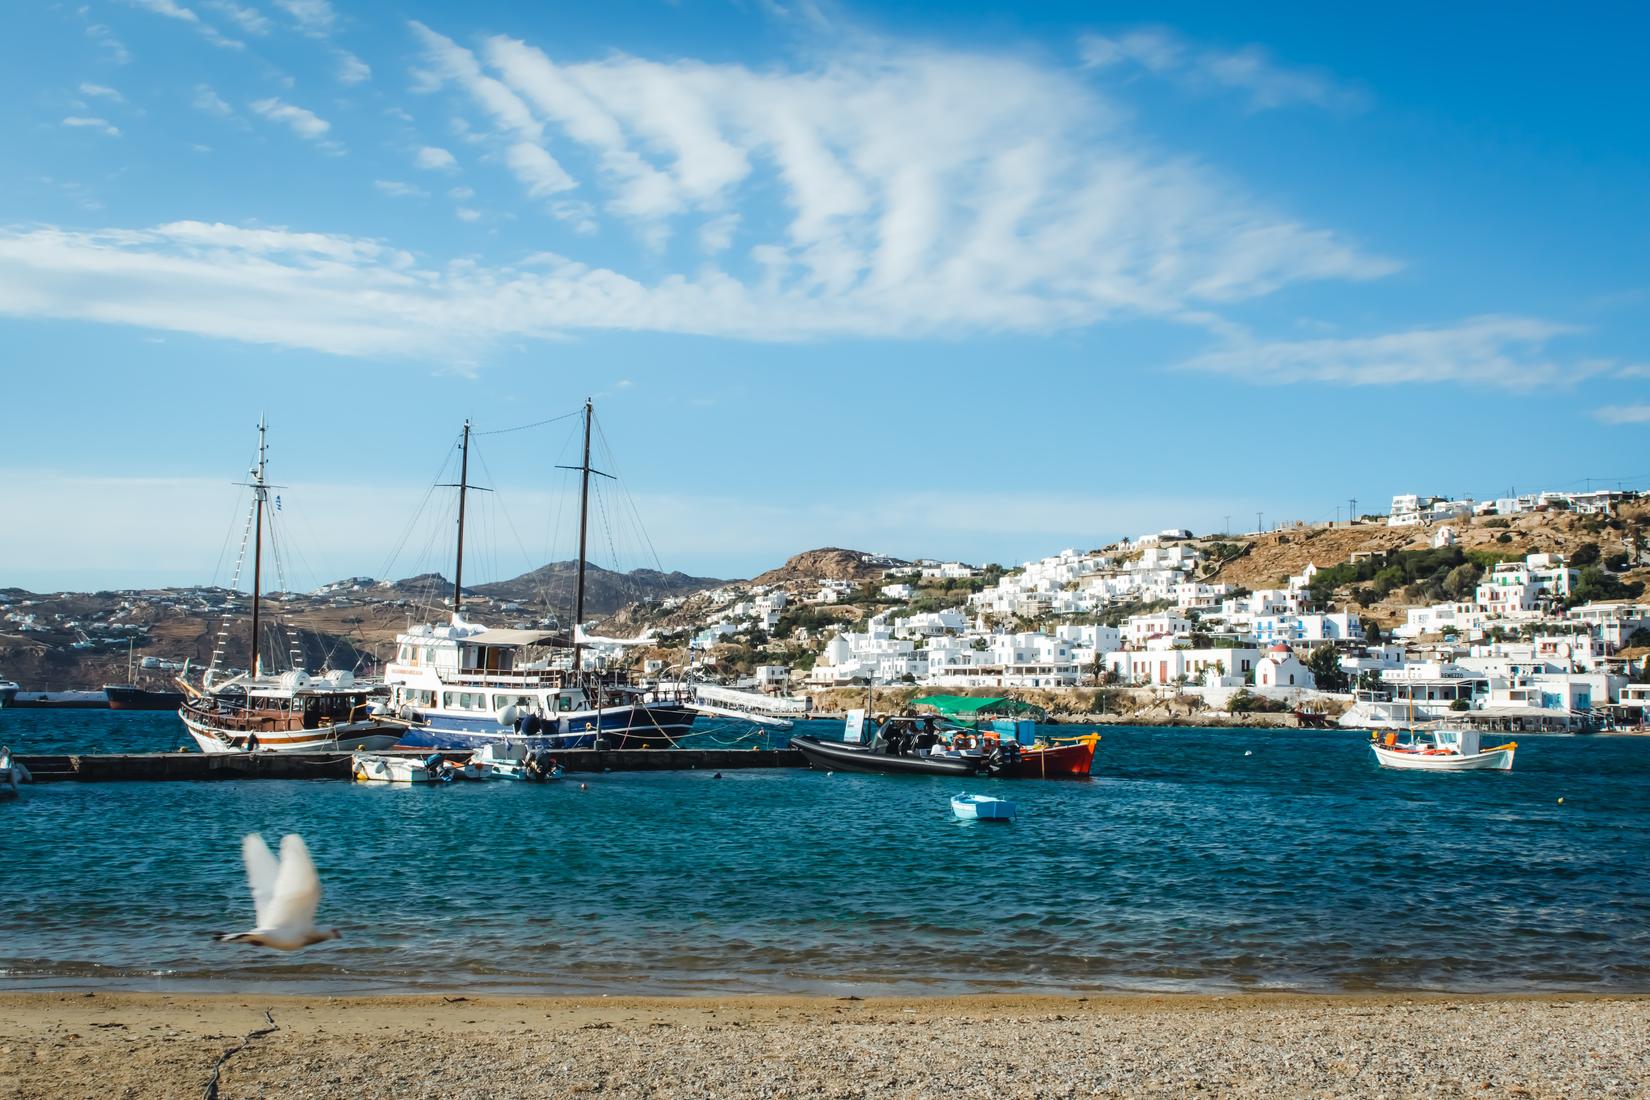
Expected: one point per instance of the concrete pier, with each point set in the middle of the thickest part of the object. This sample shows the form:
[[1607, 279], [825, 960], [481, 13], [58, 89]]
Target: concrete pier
[[112, 767]]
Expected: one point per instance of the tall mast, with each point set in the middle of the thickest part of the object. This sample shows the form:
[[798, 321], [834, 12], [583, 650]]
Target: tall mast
[[463, 484], [259, 491], [584, 530]]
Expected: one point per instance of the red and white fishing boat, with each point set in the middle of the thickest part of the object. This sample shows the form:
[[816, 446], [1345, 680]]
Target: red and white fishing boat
[[1441, 750]]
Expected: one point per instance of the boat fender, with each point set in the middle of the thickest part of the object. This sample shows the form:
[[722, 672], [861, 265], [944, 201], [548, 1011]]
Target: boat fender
[[530, 725]]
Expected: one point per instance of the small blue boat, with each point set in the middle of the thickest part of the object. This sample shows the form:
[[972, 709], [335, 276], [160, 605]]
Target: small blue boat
[[981, 807]]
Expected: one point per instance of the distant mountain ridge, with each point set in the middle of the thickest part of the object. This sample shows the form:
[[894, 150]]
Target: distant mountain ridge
[[605, 591]]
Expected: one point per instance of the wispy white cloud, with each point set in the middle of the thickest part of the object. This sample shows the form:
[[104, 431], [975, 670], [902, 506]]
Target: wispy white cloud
[[99, 91], [1249, 71], [976, 171], [885, 191], [208, 100], [434, 157], [1623, 414], [467, 214], [172, 10], [1510, 352], [101, 125], [250, 20], [105, 38], [306, 124], [351, 69], [312, 16], [399, 190], [537, 169]]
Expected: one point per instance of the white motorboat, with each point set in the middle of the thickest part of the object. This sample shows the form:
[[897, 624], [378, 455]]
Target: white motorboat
[[12, 774], [522, 764], [981, 807], [1441, 750]]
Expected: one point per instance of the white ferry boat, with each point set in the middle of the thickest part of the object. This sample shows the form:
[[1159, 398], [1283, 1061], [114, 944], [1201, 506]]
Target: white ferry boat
[[462, 685]]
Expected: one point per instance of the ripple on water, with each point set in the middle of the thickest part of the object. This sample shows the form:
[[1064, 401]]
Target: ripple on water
[[1183, 865]]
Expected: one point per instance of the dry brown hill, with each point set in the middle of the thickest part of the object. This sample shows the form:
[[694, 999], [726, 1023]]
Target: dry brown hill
[[829, 563], [1274, 557]]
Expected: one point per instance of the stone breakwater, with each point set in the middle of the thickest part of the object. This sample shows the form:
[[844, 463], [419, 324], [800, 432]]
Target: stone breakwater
[[74, 1045]]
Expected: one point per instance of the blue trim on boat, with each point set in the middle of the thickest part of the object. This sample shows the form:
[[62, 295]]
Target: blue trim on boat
[[641, 726]]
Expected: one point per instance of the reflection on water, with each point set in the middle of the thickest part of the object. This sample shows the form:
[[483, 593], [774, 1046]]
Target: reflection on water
[[1183, 864]]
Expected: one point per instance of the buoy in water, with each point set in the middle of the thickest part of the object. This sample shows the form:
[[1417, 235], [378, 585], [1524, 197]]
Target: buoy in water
[[1561, 800], [584, 786], [1248, 752]]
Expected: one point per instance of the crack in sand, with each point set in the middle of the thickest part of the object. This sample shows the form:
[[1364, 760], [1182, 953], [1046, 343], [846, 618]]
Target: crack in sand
[[211, 1092]]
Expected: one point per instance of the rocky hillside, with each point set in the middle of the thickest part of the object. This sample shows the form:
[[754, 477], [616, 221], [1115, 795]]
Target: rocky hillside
[[1619, 545], [829, 563]]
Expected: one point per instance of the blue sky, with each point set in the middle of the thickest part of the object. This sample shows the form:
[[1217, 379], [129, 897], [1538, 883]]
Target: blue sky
[[927, 279]]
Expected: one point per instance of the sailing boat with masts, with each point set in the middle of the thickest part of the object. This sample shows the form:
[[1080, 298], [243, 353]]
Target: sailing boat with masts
[[461, 685], [284, 712]]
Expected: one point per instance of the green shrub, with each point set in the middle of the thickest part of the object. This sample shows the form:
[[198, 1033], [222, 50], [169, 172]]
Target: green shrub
[[1247, 702]]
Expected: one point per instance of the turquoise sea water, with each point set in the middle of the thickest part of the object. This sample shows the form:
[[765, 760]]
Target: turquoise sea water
[[1183, 864]]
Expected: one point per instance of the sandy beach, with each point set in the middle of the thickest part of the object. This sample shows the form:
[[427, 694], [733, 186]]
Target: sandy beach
[[116, 1045]]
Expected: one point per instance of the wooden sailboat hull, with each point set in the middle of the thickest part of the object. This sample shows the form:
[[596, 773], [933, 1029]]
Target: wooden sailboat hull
[[211, 737]]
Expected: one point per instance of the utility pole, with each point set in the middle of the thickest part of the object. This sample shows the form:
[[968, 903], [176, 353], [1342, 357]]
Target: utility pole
[[1351, 511], [1260, 528], [1226, 526]]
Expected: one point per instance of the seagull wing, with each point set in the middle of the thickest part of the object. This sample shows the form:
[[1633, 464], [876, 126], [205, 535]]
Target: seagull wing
[[297, 888], [260, 873]]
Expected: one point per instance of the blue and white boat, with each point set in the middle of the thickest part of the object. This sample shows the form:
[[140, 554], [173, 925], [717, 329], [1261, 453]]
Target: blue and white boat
[[981, 807], [462, 685]]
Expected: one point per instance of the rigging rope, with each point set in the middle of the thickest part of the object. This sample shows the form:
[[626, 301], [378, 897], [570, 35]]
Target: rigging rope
[[524, 427]]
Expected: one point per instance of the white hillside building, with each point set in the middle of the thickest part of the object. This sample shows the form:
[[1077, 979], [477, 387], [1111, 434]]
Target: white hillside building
[[1161, 664], [1280, 668]]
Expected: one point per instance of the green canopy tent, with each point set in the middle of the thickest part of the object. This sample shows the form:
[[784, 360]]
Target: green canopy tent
[[969, 707]]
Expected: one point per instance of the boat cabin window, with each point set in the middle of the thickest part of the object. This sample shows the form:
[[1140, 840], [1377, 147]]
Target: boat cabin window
[[522, 702], [488, 658], [564, 702], [463, 700]]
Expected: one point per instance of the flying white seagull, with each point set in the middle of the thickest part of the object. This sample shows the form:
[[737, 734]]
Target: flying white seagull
[[284, 895]]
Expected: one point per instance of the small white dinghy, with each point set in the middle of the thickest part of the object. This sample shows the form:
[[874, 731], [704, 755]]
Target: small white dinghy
[[1441, 750], [981, 807], [387, 767], [12, 774]]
